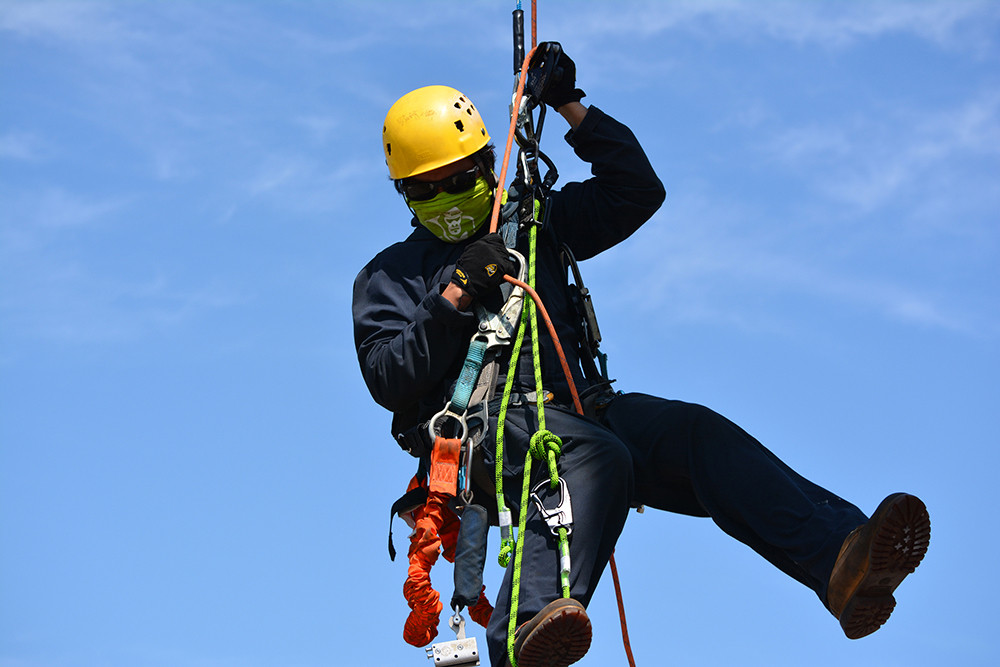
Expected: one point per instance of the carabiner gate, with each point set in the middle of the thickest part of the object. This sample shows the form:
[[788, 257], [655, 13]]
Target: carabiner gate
[[562, 515]]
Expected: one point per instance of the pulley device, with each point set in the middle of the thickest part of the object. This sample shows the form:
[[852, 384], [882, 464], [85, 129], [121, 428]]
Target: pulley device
[[460, 651]]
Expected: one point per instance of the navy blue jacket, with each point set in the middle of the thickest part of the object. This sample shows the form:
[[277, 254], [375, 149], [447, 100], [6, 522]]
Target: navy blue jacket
[[411, 341]]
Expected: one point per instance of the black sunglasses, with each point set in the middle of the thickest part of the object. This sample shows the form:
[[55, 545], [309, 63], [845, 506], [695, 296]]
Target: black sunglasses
[[415, 190]]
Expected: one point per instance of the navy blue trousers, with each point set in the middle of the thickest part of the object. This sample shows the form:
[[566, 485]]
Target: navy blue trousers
[[669, 455]]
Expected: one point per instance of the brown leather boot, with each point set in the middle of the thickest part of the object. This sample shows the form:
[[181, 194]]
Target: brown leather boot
[[874, 560], [557, 636]]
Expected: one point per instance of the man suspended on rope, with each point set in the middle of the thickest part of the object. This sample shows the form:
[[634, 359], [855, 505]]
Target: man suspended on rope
[[413, 318]]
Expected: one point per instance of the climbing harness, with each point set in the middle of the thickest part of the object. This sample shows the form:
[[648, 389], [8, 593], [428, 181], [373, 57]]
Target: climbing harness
[[439, 492]]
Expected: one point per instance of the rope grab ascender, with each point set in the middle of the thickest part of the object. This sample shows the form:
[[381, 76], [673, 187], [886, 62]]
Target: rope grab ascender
[[436, 495]]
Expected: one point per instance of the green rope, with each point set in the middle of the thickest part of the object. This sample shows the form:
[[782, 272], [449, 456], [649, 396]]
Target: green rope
[[544, 446], [564, 560], [506, 539], [515, 584], [535, 342]]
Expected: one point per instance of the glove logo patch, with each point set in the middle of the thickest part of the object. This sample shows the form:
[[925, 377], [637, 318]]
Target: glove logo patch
[[460, 274], [491, 269]]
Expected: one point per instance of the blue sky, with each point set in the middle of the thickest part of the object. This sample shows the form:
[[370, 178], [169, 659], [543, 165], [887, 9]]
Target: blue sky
[[191, 470]]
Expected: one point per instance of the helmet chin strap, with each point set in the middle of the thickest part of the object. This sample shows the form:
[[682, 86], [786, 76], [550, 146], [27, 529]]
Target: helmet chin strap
[[486, 170]]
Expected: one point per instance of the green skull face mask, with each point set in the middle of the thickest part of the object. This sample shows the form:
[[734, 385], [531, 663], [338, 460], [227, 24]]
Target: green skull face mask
[[454, 218]]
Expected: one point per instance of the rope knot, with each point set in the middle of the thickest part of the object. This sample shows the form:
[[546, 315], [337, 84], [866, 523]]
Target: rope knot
[[547, 446], [506, 549]]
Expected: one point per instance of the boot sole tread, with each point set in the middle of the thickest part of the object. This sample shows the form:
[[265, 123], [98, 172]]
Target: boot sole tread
[[898, 546], [557, 641]]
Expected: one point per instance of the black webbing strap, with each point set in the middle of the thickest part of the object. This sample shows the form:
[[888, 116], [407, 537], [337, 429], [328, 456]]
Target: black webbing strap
[[416, 441], [410, 500]]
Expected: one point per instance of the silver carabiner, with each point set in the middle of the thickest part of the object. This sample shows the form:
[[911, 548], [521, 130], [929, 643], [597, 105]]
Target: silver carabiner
[[562, 515], [433, 425]]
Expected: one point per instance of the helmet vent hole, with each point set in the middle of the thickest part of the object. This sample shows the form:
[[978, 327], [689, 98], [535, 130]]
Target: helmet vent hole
[[388, 149], [458, 124]]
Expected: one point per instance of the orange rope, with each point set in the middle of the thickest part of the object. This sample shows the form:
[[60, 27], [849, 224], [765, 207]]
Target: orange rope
[[555, 339], [494, 220], [534, 24], [621, 611], [495, 216], [579, 408]]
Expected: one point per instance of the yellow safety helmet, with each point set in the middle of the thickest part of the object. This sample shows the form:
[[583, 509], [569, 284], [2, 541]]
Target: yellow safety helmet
[[429, 128]]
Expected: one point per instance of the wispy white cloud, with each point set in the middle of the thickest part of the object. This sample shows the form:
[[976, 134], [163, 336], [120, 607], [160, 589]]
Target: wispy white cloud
[[320, 128], [717, 262], [278, 172], [187, 93], [867, 161], [838, 24], [831, 24], [22, 146], [654, 42], [60, 281], [61, 208], [175, 89], [74, 22], [286, 184], [828, 282], [65, 302], [33, 216]]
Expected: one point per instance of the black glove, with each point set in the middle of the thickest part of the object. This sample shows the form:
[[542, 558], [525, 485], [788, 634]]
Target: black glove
[[557, 79], [482, 265]]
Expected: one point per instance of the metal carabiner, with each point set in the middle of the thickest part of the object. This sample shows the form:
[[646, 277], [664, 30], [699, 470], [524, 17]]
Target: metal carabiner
[[446, 413], [434, 429], [562, 515]]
